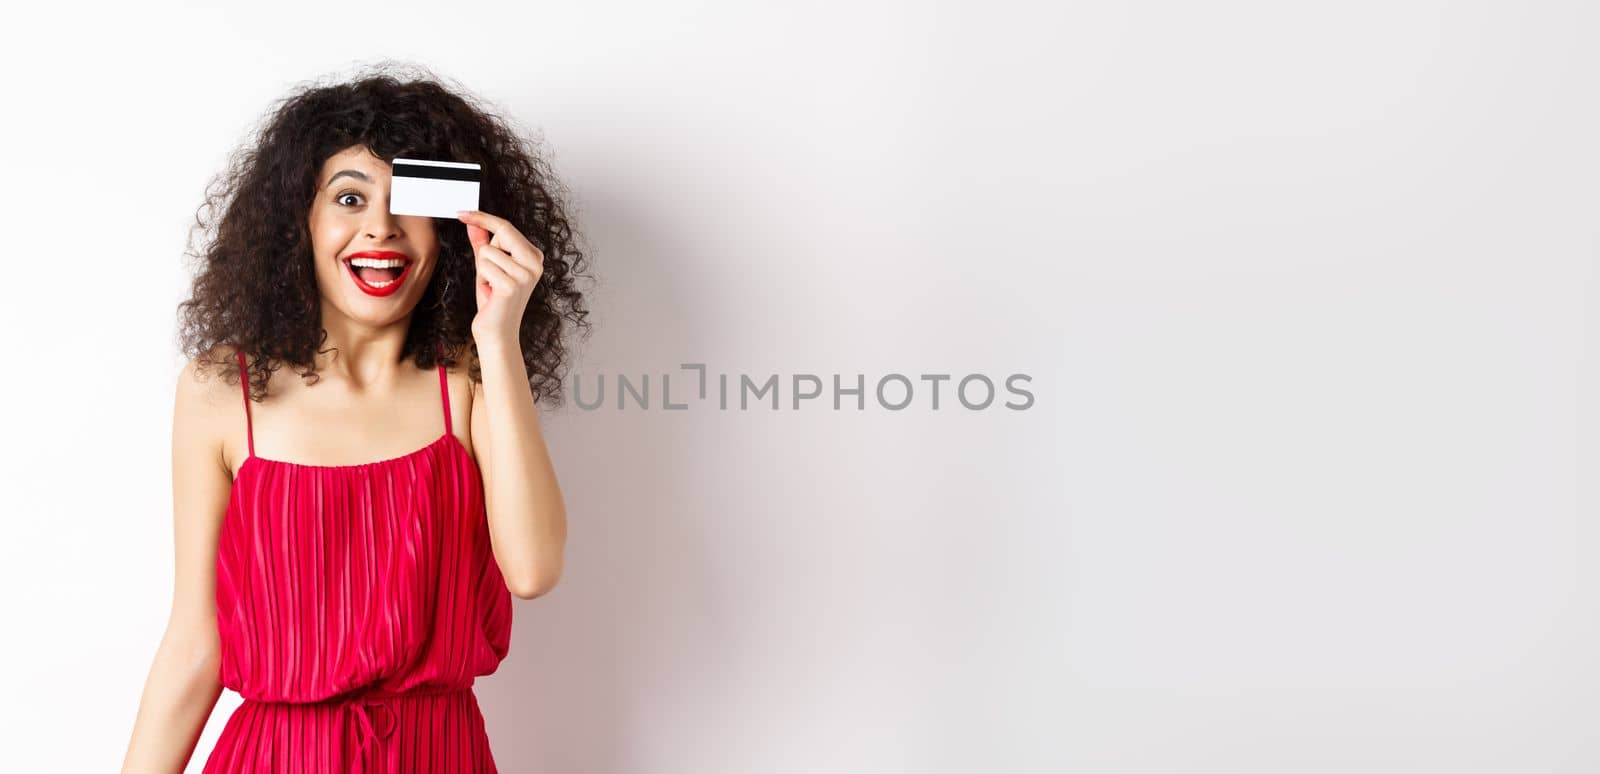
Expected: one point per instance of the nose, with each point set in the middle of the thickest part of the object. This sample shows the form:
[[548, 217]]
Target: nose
[[380, 225]]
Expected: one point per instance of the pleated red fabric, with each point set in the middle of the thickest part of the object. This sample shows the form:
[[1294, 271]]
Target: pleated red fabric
[[356, 605]]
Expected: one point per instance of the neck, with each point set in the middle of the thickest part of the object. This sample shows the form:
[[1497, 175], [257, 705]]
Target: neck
[[361, 354]]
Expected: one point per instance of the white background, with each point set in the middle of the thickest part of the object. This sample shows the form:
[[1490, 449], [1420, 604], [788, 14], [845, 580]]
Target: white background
[[1307, 292]]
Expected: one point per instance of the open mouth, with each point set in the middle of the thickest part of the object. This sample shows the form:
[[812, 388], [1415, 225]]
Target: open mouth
[[378, 276]]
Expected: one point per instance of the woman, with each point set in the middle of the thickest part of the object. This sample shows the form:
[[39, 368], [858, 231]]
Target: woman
[[348, 578]]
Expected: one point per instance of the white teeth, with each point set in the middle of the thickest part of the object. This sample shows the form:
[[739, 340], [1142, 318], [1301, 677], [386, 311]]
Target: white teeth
[[378, 263]]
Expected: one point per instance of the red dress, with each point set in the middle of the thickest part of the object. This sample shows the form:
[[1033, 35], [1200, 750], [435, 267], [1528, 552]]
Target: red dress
[[356, 604]]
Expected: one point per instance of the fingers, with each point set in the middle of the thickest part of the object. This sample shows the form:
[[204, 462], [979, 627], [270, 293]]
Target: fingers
[[496, 276], [508, 268], [493, 223], [501, 228], [504, 235]]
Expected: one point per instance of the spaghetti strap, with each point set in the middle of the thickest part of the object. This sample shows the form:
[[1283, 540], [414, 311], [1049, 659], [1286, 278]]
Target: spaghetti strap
[[244, 386], [444, 391]]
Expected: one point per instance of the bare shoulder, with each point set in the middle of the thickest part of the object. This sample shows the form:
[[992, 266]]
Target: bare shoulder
[[464, 396], [461, 379], [206, 406]]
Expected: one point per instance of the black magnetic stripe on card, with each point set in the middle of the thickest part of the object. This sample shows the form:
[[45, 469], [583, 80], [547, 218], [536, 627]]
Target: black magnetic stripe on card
[[436, 173]]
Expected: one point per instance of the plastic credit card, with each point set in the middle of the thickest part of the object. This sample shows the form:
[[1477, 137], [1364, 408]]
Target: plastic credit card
[[434, 188]]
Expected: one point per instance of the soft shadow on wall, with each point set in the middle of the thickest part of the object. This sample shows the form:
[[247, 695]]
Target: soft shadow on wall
[[636, 578]]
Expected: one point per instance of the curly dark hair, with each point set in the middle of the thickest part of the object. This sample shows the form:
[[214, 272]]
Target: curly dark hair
[[255, 289]]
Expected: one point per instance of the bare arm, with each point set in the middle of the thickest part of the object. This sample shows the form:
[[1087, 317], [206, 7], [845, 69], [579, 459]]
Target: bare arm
[[527, 514], [184, 681]]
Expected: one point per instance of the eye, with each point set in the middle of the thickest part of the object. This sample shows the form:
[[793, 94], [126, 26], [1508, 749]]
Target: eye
[[341, 197]]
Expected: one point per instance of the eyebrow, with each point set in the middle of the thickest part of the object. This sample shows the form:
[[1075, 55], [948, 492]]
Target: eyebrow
[[348, 173]]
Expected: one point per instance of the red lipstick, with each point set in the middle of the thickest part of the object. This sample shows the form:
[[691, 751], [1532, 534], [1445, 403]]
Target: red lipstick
[[382, 255]]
